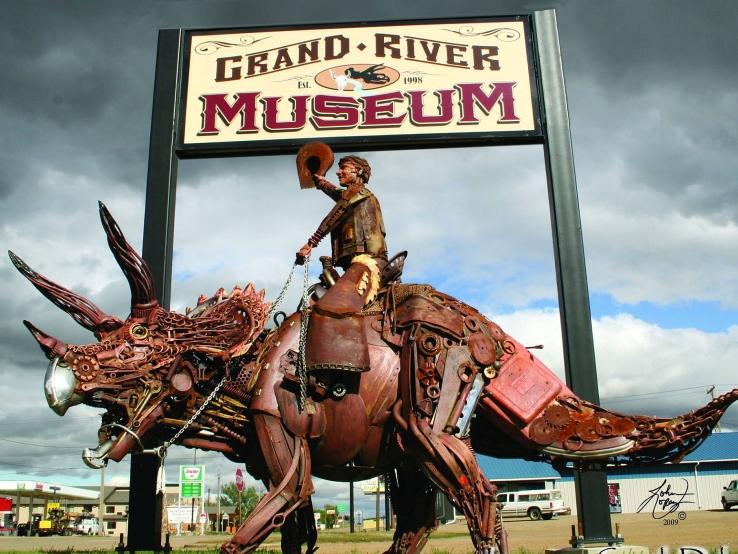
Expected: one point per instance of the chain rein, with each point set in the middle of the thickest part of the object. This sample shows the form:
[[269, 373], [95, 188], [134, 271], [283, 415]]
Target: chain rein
[[161, 451]]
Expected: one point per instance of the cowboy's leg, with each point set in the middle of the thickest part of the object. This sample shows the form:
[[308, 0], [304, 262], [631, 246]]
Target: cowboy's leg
[[337, 314]]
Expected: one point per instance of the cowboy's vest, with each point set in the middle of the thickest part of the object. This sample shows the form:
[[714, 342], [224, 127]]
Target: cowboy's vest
[[359, 231]]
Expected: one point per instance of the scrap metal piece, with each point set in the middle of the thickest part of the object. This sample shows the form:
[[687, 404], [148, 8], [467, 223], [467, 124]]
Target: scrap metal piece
[[587, 430], [557, 415], [541, 432], [482, 349]]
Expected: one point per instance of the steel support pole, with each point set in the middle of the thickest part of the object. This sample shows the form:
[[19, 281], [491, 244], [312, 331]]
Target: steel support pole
[[576, 319], [144, 518], [161, 183], [351, 508]]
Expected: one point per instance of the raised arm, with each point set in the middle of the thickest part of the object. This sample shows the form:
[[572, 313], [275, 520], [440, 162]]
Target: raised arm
[[323, 184], [329, 222]]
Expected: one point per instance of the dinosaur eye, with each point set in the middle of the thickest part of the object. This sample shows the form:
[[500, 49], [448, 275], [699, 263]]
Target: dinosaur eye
[[138, 331]]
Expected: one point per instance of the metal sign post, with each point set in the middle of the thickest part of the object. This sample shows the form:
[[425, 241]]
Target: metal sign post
[[144, 528], [571, 274]]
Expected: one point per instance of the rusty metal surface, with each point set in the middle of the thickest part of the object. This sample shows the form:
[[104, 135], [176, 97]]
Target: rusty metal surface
[[215, 379]]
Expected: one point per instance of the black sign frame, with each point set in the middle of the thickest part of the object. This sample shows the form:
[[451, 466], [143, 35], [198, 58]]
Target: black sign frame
[[165, 149]]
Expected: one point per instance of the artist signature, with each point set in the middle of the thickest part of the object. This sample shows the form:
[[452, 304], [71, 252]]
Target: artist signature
[[665, 500]]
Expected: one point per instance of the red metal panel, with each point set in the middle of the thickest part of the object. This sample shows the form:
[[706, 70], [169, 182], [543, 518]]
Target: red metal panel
[[524, 386]]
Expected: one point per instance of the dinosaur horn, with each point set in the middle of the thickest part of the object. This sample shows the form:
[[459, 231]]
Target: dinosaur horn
[[50, 345], [82, 310], [143, 291]]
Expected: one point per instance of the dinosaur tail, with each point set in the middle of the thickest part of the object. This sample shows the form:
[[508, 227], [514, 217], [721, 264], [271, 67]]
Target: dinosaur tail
[[670, 440], [546, 419], [583, 431]]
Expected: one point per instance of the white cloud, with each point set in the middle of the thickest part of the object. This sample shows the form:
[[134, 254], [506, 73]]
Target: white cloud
[[638, 358]]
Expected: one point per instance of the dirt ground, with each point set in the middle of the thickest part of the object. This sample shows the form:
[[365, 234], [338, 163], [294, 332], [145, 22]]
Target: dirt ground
[[707, 529]]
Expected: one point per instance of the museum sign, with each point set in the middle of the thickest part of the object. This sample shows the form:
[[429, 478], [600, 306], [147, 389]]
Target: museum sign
[[407, 81]]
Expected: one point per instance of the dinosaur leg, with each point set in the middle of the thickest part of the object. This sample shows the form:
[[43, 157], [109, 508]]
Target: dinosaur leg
[[299, 528], [288, 460], [450, 463], [413, 500], [436, 380]]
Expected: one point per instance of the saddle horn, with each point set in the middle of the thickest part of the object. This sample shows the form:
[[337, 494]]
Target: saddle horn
[[313, 157]]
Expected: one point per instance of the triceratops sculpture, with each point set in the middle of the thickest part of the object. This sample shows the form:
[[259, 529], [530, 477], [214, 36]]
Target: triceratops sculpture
[[444, 382]]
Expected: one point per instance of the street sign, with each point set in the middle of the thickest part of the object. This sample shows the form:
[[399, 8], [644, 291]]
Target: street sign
[[191, 480], [239, 479], [203, 518], [342, 508]]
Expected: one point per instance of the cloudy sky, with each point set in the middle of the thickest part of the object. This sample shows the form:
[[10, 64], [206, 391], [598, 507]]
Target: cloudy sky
[[652, 99]]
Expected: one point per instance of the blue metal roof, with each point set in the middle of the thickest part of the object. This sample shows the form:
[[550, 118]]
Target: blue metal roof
[[505, 469], [717, 446]]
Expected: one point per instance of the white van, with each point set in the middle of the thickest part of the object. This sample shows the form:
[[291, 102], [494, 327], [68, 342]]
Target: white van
[[535, 504]]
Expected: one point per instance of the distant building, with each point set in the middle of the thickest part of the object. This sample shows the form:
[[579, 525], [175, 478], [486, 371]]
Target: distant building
[[702, 475], [34, 497]]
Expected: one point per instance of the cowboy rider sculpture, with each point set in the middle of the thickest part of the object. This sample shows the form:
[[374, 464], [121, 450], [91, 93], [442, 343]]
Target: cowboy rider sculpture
[[358, 247]]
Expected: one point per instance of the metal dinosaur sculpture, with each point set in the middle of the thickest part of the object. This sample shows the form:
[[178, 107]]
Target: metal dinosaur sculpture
[[444, 382]]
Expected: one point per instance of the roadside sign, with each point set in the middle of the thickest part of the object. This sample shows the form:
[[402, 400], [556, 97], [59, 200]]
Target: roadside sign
[[191, 480], [179, 514], [342, 508], [239, 479], [203, 518]]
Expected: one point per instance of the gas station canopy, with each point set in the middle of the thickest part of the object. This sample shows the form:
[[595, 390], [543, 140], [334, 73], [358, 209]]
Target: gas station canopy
[[48, 491]]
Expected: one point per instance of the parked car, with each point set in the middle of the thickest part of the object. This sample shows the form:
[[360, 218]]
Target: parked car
[[729, 498], [535, 504]]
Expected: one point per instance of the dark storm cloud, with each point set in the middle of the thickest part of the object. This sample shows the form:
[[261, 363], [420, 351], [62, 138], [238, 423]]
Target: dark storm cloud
[[651, 89], [652, 99], [76, 69]]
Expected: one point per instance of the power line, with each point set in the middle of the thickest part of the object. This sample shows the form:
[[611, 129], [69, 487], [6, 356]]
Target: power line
[[41, 445], [45, 470], [655, 393]]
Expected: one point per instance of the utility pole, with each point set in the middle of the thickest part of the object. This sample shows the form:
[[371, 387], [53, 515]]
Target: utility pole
[[219, 525], [101, 503], [711, 392], [192, 510]]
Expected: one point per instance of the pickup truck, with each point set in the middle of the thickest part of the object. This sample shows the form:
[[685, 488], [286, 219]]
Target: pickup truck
[[729, 497], [535, 504]]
